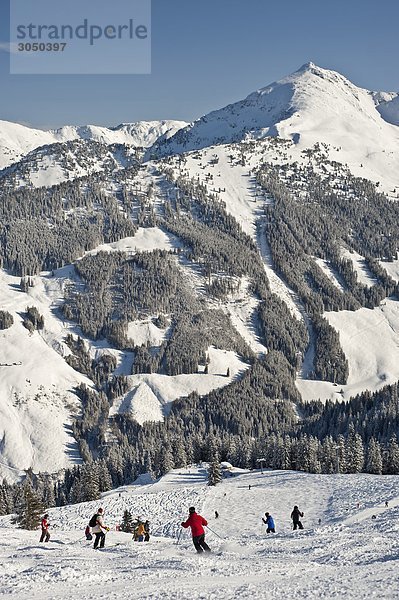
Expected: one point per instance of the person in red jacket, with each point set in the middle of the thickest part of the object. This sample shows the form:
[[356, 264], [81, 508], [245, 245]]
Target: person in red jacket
[[196, 522], [45, 532]]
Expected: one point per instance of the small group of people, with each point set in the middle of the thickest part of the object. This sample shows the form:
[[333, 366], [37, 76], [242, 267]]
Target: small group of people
[[141, 530], [96, 526], [296, 517]]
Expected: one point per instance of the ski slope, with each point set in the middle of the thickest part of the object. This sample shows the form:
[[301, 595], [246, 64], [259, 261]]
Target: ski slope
[[348, 555]]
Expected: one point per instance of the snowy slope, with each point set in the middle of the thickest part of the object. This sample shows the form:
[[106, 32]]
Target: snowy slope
[[236, 187], [388, 106], [150, 396], [141, 134], [36, 399], [311, 105], [370, 341], [17, 140], [51, 164], [348, 555]]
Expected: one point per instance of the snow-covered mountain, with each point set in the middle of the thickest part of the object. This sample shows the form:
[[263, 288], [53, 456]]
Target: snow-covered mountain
[[387, 104], [311, 105], [17, 140], [312, 126], [51, 164]]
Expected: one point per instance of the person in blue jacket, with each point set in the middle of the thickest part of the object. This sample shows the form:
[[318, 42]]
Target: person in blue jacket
[[269, 521]]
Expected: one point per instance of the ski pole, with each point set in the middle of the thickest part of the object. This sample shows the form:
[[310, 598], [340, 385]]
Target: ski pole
[[214, 532], [179, 536]]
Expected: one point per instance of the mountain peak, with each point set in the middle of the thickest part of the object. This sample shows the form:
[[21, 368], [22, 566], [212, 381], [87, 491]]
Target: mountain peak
[[308, 66], [312, 104]]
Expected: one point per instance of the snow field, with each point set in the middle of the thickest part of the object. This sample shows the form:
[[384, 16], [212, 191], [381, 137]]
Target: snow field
[[348, 556], [151, 395], [370, 341]]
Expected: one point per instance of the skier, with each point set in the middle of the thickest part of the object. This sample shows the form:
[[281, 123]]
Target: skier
[[99, 529], [386, 503], [216, 514], [45, 532], [196, 522], [295, 516], [147, 531], [269, 521]]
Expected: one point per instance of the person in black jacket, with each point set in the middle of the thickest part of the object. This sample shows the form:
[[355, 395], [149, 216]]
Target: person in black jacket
[[147, 531], [296, 518]]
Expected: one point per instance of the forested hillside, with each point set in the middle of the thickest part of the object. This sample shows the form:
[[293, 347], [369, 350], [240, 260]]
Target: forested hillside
[[187, 296]]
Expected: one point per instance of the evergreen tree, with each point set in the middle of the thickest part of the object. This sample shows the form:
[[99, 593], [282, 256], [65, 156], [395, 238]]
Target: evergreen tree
[[104, 477], [90, 482], [29, 508], [354, 452], [374, 457], [391, 457], [167, 462], [214, 472], [127, 522]]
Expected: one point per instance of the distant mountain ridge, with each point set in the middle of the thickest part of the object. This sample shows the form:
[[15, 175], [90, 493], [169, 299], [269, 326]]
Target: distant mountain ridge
[[17, 140]]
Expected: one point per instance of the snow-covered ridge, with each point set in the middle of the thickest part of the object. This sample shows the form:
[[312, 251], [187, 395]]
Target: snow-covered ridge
[[309, 106], [387, 104], [17, 140]]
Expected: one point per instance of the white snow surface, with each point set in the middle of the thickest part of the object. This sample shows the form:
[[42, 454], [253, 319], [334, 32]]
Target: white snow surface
[[370, 341], [364, 276], [17, 140], [392, 268], [311, 105], [141, 332], [348, 555], [388, 106], [151, 395], [145, 239], [36, 401]]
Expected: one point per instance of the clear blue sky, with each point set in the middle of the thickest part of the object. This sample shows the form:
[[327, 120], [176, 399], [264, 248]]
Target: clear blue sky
[[208, 53]]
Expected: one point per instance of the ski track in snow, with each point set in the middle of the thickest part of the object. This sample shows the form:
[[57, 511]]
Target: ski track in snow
[[348, 555]]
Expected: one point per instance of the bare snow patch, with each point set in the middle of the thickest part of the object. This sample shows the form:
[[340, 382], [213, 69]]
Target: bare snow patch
[[370, 341], [167, 388], [329, 272], [145, 239], [364, 274], [145, 331], [392, 268]]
